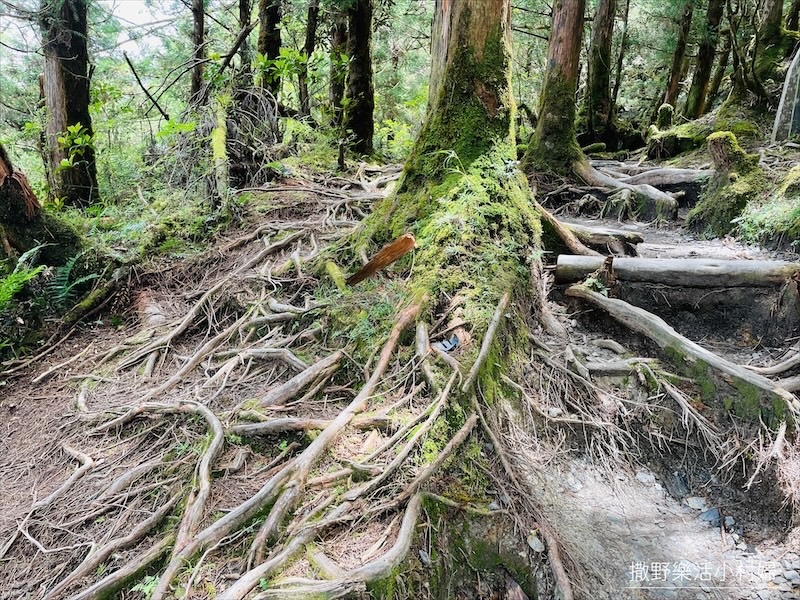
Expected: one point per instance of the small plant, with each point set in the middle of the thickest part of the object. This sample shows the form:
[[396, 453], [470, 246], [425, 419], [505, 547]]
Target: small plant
[[62, 288], [12, 284], [76, 143], [146, 586]]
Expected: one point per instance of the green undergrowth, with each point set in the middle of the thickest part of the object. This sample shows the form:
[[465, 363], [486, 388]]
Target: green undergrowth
[[737, 182], [775, 221]]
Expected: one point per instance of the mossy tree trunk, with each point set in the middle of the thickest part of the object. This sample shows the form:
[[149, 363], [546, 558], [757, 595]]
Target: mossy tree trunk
[[461, 195], [793, 16], [360, 93], [599, 109], [23, 223], [698, 91], [554, 145], [196, 88], [338, 68], [65, 88], [676, 70], [308, 49], [270, 13]]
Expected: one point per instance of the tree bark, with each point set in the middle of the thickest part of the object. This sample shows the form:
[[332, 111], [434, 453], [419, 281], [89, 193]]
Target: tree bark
[[623, 47], [676, 71], [338, 70], [698, 91], [719, 73], [554, 145], [771, 20], [196, 90], [66, 93], [598, 97], [269, 41], [308, 49], [793, 18], [23, 223], [245, 51], [360, 93]]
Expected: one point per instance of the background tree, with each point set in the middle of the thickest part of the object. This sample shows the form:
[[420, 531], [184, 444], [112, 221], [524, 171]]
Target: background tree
[[554, 145], [196, 89], [698, 91], [678, 68], [269, 41], [599, 108], [360, 92], [72, 171], [312, 22], [337, 57]]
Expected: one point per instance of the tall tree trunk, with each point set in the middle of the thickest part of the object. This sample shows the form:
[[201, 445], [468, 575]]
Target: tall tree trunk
[[598, 94], [554, 145], [66, 93], [696, 98], [771, 20], [719, 72], [793, 18], [338, 66], [308, 50], [245, 51], [270, 13], [196, 90], [360, 93], [676, 72], [623, 47]]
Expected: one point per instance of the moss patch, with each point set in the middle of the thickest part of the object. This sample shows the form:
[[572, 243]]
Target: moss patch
[[737, 182]]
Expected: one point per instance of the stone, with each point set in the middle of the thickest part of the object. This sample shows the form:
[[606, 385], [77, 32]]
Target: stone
[[696, 502], [646, 478], [792, 575], [729, 521], [535, 543], [711, 516]]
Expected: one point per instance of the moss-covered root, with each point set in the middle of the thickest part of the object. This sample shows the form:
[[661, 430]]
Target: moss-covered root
[[738, 180]]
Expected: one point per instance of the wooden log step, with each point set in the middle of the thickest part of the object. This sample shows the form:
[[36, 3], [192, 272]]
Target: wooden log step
[[689, 272]]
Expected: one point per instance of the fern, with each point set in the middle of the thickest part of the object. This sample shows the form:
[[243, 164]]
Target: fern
[[13, 283], [60, 289]]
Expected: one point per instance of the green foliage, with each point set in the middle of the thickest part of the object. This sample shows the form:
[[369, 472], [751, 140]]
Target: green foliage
[[146, 586], [64, 286], [76, 142], [13, 283]]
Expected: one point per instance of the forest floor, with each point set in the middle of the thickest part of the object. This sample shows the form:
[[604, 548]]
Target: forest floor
[[651, 520]]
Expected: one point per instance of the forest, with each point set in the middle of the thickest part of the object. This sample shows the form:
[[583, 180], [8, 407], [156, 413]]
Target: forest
[[393, 299]]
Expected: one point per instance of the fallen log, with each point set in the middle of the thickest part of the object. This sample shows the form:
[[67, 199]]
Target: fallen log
[[689, 272], [659, 177], [617, 241], [648, 201], [758, 397]]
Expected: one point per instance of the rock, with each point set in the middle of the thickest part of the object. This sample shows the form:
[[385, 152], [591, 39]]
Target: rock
[[764, 594], [696, 502], [729, 521], [494, 505], [646, 478], [792, 575], [535, 543], [424, 558]]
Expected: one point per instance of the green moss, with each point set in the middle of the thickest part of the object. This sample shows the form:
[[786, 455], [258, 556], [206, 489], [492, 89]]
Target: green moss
[[554, 146], [666, 112], [738, 181], [775, 221]]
